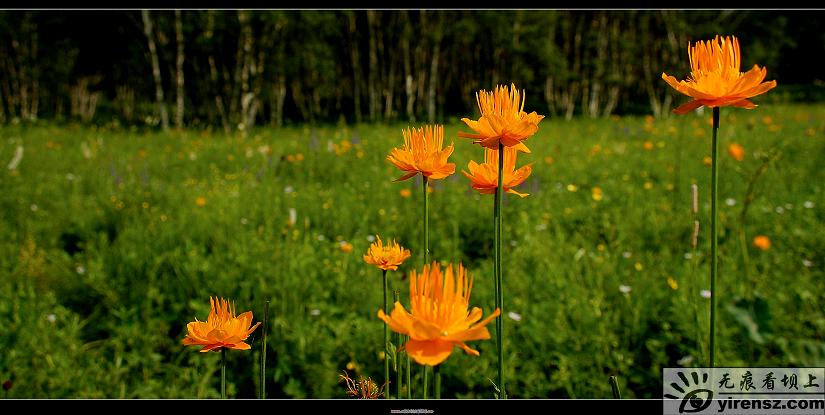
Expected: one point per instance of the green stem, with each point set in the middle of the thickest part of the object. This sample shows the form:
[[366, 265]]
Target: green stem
[[498, 276], [425, 380], [407, 369], [397, 361], [426, 222], [714, 196], [223, 372], [386, 342], [614, 384], [437, 386], [749, 196], [263, 352]]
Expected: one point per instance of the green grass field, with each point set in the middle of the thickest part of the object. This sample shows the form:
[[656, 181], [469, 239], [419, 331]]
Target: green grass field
[[114, 239]]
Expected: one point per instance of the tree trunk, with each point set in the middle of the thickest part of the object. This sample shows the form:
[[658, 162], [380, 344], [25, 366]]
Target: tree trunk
[[213, 73], [431, 97], [408, 76], [278, 95], [35, 75], [389, 89], [179, 109], [161, 106], [374, 70], [601, 61], [356, 65]]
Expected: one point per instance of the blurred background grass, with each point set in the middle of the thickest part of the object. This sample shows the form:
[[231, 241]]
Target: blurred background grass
[[114, 239]]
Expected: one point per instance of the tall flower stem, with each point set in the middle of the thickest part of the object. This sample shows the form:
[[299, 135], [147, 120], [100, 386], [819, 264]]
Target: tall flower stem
[[714, 196], [263, 351], [425, 380], [407, 369], [398, 343], [386, 341], [426, 221], [437, 385], [497, 268], [614, 385], [223, 372]]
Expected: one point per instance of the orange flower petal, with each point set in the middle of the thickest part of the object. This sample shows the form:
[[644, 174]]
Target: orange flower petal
[[688, 107], [430, 352]]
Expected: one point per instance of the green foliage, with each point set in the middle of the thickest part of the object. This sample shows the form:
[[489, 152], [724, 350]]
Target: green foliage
[[107, 255]]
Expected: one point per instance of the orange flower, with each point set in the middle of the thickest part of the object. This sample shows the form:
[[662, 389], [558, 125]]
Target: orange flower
[[485, 176], [439, 320], [405, 193], [736, 151], [422, 153], [200, 201], [386, 257], [502, 119], [345, 247], [221, 329], [648, 145], [715, 80], [762, 242]]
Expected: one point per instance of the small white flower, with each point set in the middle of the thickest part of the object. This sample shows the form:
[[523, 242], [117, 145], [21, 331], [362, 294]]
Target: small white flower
[[193, 156], [18, 156], [788, 206], [34, 207], [513, 242], [807, 263], [371, 238], [685, 360], [779, 210], [705, 293], [688, 255], [293, 216], [321, 237], [315, 312], [244, 221], [808, 204], [624, 288], [288, 189], [627, 254], [514, 316], [70, 177], [80, 269], [51, 317], [541, 226], [730, 202]]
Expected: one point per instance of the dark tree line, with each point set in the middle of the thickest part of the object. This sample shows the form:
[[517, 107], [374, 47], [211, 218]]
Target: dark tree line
[[237, 68]]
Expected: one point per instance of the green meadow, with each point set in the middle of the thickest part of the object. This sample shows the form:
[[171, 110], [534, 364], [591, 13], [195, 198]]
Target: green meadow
[[113, 239]]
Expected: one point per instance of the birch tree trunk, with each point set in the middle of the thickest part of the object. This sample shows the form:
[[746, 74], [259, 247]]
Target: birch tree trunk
[[213, 73], [181, 92], [159, 100]]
